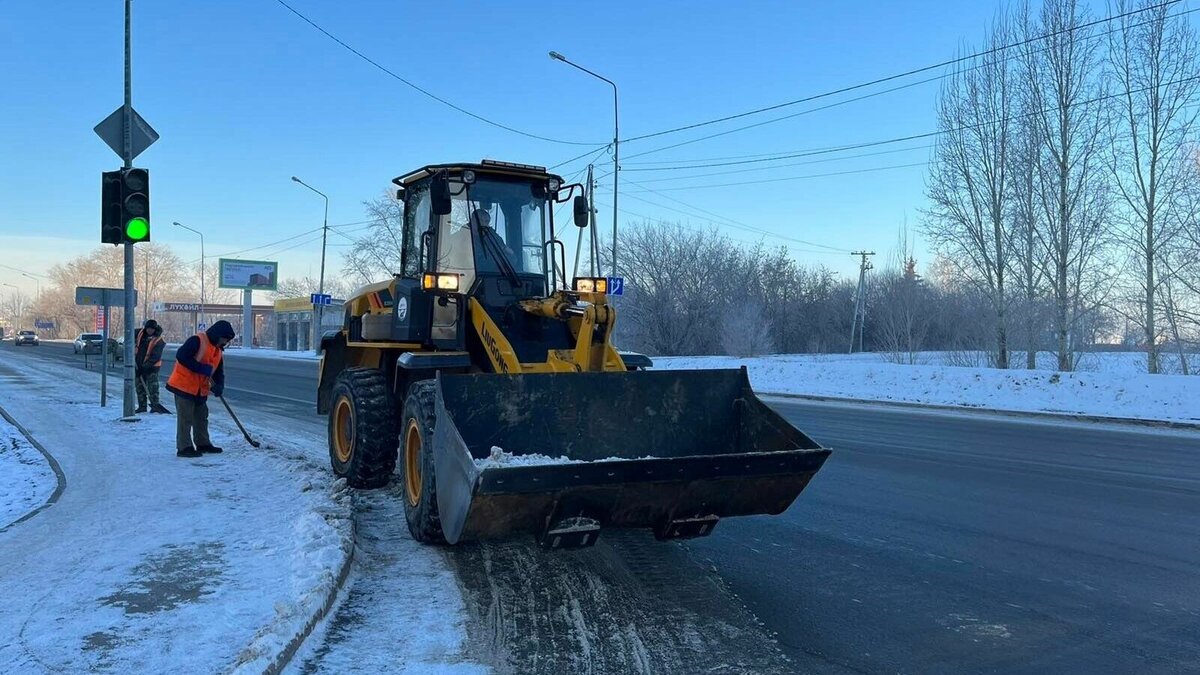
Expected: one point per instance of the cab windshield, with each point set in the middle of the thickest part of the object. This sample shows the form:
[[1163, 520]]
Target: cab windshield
[[495, 226]]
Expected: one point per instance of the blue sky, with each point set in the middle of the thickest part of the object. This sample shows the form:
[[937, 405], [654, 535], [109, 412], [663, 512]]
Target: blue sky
[[245, 95]]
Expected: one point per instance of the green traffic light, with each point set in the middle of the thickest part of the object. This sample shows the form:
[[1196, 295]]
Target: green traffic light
[[137, 229]]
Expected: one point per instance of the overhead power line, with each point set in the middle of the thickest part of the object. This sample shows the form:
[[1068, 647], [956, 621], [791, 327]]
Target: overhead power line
[[791, 178], [930, 134], [730, 222], [424, 91], [774, 166], [897, 76]]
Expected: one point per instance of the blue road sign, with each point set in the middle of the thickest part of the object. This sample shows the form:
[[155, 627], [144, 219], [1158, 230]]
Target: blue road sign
[[43, 324], [201, 326], [318, 299], [616, 285]]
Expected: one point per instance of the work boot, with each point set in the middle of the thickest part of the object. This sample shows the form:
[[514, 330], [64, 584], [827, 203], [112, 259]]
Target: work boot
[[211, 449], [188, 452], [140, 409], [159, 408]]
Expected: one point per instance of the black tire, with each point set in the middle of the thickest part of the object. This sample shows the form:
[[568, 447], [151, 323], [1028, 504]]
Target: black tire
[[420, 487], [362, 428]]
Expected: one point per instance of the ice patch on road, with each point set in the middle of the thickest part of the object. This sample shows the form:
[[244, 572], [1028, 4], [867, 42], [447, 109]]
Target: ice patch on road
[[28, 481]]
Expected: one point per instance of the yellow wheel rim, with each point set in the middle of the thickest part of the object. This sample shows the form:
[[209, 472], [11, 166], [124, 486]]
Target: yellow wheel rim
[[412, 463], [343, 430]]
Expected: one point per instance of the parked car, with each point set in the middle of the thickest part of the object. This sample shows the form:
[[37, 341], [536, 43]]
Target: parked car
[[26, 337], [89, 343]]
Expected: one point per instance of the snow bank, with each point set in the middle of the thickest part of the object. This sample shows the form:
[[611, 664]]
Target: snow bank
[[28, 481], [866, 376], [151, 563]]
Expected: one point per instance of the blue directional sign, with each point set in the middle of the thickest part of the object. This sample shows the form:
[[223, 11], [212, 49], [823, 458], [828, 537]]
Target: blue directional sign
[[43, 324], [201, 326], [319, 299], [616, 285]]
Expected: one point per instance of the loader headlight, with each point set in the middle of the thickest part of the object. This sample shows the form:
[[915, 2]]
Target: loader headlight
[[591, 284], [468, 177], [553, 184], [440, 282]]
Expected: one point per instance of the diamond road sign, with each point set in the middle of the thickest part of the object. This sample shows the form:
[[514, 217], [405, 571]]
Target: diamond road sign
[[112, 132]]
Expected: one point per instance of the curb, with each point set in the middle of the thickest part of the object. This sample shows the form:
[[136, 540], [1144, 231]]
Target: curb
[[59, 476], [1099, 419], [284, 657]]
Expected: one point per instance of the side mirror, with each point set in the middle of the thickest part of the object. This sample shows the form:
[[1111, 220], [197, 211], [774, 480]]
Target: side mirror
[[582, 212], [439, 192]]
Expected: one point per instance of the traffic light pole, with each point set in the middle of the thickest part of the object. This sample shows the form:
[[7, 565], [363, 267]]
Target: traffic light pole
[[127, 156]]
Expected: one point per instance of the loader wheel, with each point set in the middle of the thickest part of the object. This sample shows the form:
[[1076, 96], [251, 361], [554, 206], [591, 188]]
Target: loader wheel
[[362, 429], [420, 486]]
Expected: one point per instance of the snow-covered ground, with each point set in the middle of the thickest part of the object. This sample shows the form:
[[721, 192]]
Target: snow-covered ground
[[151, 563], [1114, 388], [28, 481]]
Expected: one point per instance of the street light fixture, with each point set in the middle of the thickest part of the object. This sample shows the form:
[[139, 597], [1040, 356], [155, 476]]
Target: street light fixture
[[320, 309], [615, 143], [203, 317]]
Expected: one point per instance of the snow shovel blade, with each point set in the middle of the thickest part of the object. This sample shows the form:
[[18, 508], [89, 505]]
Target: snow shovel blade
[[672, 451]]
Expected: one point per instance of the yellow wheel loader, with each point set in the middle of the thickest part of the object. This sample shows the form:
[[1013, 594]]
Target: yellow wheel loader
[[498, 391]]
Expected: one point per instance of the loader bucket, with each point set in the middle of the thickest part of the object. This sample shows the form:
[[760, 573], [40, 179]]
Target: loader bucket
[[673, 451]]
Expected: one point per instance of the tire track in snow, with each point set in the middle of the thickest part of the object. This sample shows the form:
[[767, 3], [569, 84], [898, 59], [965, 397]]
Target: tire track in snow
[[629, 604]]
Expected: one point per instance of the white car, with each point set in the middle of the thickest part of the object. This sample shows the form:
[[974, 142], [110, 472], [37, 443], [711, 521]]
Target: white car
[[25, 337], [89, 343]]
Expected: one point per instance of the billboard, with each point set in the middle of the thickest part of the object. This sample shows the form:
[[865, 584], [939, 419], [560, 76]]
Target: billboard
[[256, 275]]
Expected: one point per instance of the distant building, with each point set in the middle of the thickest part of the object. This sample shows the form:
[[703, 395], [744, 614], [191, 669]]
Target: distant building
[[294, 323]]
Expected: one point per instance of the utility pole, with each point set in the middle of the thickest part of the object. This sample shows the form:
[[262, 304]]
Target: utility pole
[[859, 321], [127, 157], [591, 196]]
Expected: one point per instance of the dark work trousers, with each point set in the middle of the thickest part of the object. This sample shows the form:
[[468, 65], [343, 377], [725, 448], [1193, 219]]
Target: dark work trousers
[[191, 422], [147, 388]]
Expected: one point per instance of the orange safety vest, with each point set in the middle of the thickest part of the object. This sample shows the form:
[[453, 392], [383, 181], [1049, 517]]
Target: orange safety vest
[[188, 381], [149, 348]]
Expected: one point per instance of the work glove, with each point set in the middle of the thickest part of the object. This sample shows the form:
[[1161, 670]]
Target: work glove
[[217, 390]]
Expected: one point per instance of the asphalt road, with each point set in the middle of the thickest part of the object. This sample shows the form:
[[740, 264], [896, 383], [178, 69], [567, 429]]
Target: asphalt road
[[930, 542]]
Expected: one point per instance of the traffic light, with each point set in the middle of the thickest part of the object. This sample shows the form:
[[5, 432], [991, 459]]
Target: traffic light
[[135, 205], [125, 204]]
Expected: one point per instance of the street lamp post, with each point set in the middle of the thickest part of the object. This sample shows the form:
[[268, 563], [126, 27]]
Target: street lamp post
[[320, 309], [36, 281], [616, 147], [203, 318], [16, 305]]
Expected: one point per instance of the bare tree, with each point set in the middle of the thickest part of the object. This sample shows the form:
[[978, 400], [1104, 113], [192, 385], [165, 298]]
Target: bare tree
[[1026, 257], [1153, 58], [1063, 88], [376, 254], [968, 183], [745, 331]]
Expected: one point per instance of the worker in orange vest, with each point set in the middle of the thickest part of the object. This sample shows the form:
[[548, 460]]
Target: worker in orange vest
[[198, 372], [147, 359]]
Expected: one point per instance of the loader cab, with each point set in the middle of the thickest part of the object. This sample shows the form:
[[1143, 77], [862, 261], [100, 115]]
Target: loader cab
[[483, 231]]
